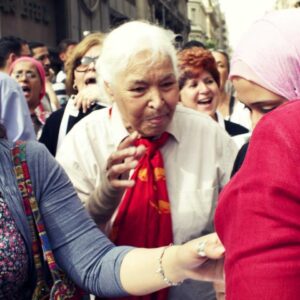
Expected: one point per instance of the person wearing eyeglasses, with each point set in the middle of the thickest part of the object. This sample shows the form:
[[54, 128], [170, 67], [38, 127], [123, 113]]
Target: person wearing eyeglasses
[[84, 95], [30, 75]]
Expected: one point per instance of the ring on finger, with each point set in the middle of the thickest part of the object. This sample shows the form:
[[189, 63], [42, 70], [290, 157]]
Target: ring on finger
[[201, 248]]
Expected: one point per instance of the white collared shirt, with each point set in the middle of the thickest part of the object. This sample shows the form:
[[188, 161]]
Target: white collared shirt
[[198, 159]]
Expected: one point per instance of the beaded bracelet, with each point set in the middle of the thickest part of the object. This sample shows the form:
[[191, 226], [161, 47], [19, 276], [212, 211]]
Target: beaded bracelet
[[161, 271]]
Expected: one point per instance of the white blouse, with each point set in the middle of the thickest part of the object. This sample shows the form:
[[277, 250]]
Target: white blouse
[[198, 160]]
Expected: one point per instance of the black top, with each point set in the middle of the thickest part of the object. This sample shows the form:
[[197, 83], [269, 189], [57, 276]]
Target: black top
[[239, 158], [234, 128], [50, 131]]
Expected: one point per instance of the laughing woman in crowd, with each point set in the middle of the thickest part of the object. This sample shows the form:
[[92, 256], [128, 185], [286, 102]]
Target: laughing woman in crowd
[[199, 84], [169, 162]]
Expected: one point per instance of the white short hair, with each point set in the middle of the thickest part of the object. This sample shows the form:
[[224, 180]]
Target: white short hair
[[130, 39]]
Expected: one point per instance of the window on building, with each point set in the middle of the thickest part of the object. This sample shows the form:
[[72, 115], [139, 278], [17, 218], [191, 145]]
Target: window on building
[[193, 15]]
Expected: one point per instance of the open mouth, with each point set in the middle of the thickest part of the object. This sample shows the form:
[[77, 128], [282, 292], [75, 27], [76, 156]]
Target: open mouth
[[204, 101], [91, 80], [26, 90]]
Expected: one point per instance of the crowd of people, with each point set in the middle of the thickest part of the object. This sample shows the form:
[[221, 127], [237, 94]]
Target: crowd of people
[[144, 171]]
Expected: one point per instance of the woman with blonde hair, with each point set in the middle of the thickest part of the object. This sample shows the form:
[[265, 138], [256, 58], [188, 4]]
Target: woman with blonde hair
[[84, 95]]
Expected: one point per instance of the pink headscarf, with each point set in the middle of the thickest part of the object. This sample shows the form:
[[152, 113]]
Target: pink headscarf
[[39, 68], [269, 53]]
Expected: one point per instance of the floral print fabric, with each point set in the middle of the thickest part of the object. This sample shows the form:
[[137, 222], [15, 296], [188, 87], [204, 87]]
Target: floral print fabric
[[13, 256]]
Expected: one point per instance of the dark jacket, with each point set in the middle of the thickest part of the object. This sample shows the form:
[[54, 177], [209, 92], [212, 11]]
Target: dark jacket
[[50, 131]]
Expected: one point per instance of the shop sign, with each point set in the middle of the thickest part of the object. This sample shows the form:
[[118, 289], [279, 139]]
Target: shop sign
[[27, 9]]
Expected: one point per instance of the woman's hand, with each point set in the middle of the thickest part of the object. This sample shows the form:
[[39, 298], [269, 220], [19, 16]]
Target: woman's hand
[[139, 270], [122, 161], [87, 97], [103, 202], [202, 258]]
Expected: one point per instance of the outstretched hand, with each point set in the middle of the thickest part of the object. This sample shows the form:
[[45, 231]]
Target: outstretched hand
[[141, 268], [202, 258]]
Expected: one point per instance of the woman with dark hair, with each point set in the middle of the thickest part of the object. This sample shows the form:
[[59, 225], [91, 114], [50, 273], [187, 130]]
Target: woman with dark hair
[[47, 203], [230, 107]]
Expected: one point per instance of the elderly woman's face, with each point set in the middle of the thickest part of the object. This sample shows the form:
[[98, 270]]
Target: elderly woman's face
[[29, 79], [85, 72], [201, 93], [146, 95]]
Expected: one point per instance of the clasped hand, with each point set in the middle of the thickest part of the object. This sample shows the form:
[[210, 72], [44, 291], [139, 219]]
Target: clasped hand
[[122, 161]]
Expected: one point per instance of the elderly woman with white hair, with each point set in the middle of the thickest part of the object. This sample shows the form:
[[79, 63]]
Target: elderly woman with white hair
[[147, 169]]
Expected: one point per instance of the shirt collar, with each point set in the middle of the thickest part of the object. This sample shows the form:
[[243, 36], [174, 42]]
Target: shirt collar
[[220, 119]]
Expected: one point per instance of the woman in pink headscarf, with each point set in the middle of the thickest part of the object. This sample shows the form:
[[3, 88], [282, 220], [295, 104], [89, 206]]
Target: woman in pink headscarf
[[258, 215], [30, 74]]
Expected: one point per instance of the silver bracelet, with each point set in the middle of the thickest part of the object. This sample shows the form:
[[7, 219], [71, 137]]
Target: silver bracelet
[[161, 271]]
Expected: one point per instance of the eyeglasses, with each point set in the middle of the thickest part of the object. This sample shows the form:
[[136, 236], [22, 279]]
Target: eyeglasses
[[82, 65], [28, 75]]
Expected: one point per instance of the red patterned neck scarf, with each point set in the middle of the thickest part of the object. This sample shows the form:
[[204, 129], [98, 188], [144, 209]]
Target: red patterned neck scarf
[[144, 216]]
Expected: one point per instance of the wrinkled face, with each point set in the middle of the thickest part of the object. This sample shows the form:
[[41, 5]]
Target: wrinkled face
[[28, 78], [42, 54], [222, 66], [146, 95], [201, 93], [85, 72], [256, 98]]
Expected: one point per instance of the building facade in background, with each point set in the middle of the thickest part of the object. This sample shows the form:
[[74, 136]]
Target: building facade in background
[[208, 23], [50, 21], [282, 4]]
